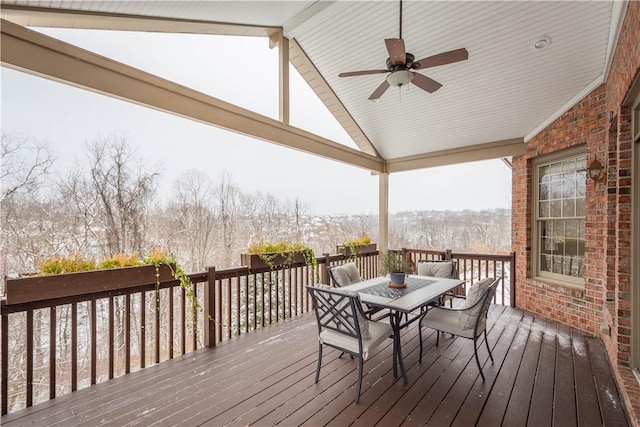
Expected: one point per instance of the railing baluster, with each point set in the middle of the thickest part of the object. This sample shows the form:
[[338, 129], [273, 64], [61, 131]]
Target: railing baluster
[[111, 338], [246, 303], [142, 342], [170, 338], [229, 324], [53, 345], [74, 346], [156, 331], [183, 321], [29, 373], [5, 363], [194, 320], [238, 315], [94, 340], [127, 333]]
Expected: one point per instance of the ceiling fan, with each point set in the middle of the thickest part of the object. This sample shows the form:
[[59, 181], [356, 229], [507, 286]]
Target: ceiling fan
[[400, 66]]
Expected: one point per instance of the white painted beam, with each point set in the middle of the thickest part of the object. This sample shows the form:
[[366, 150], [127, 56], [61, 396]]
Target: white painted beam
[[47, 57], [491, 150], [383, 212]]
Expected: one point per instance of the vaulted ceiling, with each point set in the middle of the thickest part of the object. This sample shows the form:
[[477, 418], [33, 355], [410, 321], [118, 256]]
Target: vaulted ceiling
[[488, 106]]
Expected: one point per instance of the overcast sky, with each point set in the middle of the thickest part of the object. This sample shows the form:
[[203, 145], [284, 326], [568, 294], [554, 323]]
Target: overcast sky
[[243, 71]]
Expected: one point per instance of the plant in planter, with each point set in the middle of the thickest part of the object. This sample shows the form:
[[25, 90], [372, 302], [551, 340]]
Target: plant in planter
[[394, 264], [359, 246], [281, 254], [126, 270]]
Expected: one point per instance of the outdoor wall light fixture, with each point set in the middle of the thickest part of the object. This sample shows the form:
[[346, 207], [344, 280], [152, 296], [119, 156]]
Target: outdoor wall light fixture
[[596, 170]]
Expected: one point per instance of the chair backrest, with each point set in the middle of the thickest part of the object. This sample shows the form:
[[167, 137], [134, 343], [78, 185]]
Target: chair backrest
[[337, 310], [438, 268], [475, 314], [345, 274]]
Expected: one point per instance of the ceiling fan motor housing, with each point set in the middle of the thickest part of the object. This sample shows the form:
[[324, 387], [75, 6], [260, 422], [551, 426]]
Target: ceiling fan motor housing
[[407, 65]]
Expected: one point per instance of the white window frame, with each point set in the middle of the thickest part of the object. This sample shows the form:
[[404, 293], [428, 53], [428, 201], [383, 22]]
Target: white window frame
[[537, 164]]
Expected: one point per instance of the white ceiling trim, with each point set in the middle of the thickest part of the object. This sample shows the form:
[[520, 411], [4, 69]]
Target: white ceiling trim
[[63, 18], [566, 107], [618, 13]]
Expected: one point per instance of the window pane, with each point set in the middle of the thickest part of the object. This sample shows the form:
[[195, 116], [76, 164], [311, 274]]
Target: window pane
[[544, 209], [568, 208], [569, 185], [580, 210], [544, 192], [581, 183], [556, 209], [556, 187]]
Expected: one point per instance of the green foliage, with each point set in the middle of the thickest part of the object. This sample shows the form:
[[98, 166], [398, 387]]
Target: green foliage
[[69, 264], [394, 262], [119, 261], [269, 251], [362, 240]]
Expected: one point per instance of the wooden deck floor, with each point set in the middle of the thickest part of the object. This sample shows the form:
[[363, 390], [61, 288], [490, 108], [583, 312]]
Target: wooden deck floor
[[544, 374]]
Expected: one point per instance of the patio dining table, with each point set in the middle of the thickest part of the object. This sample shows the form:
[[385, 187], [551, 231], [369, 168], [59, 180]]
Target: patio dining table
[[410, 303]]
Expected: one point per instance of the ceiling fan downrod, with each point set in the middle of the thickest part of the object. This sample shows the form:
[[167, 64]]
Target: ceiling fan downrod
[[400, 20]]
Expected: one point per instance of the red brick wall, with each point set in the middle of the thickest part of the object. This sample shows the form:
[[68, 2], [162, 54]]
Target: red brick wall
[[606, 298]]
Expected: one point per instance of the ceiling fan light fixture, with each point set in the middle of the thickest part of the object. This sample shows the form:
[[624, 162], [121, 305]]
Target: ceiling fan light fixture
[[400, 78]]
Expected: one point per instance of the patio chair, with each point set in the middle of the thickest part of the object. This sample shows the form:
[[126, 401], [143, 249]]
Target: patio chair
[[467, 322], [345, 274], [442, 268], [343, 325]]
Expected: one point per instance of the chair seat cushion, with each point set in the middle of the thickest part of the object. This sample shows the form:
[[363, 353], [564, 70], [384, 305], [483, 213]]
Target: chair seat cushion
[[378, 331], [436, 269], [446, 321]]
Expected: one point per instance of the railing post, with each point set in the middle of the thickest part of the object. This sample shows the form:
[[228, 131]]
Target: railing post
[[512, 281], [447, 254], [324, 276], [210, 309]]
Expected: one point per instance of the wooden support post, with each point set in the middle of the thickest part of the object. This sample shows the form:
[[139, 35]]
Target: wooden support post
[[447, 254], [324, 276]]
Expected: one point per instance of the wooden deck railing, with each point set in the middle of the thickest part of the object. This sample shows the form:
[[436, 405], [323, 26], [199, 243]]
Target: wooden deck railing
[[474, 267], [62, 340]]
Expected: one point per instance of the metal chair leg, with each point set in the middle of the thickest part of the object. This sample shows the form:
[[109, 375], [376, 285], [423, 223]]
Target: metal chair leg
[[475, 352], [319, 362], [359, 379], [420, 334], [437, 338], [487, 344]]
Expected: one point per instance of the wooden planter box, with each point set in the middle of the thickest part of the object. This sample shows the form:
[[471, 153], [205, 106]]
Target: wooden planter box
[[359, 249], [36, 288], [255, 261]]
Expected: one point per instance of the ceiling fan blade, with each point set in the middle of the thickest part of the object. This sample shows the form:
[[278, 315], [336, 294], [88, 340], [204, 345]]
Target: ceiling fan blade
[[397, 52], [425, 83], [362, 73], [441, 59], [379, 91]]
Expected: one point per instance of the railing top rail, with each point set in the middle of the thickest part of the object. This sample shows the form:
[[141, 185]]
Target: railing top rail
[[487, 257]]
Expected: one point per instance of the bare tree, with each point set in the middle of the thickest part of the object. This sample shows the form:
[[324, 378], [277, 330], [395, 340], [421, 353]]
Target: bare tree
[[124, 189], [194, 218], [228, 207], [23, 164]]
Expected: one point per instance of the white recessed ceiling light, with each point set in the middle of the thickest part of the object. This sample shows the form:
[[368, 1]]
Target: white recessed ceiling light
[[541, 43]]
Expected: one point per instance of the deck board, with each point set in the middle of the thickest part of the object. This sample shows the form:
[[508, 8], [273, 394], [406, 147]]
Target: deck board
[[543, 374]]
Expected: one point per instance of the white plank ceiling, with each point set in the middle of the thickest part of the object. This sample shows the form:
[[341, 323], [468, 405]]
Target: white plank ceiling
[[505, 90]]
